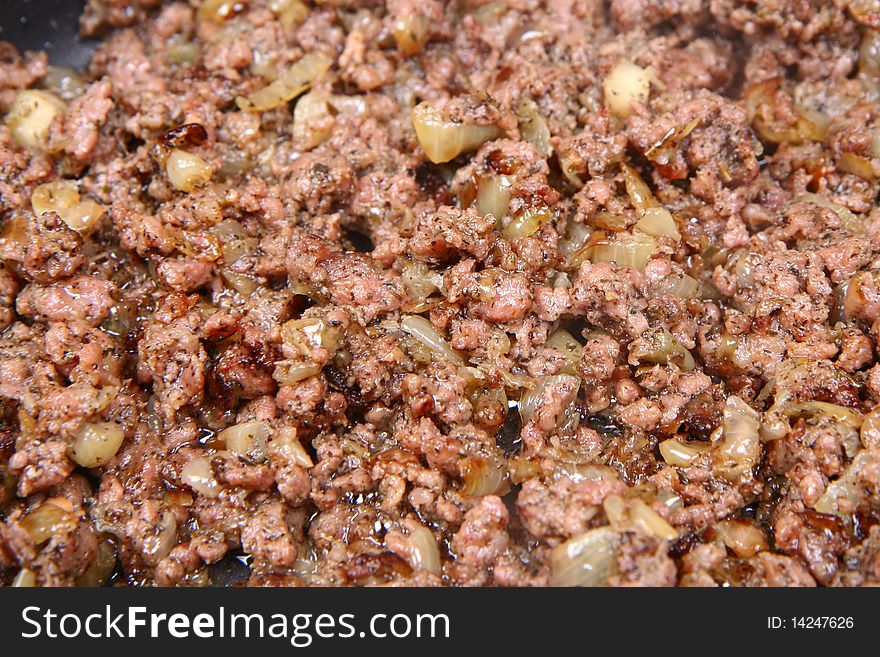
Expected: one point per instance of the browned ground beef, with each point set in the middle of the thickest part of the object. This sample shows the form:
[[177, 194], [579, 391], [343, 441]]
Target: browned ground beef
[[686, 389]]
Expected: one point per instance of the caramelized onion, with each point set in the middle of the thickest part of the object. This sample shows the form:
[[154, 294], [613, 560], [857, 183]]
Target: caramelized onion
[[739, 448], [288, 86], [624, 85], [634, 514], [96, 443], [31, 116], [443, 139], [198, 475], [187, 171], [248, 440], [588, 559], [423, 331], [680, 453], [741, 536]]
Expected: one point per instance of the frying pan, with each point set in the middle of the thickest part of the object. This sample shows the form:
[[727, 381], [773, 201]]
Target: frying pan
[[53, 26], [50, 25]]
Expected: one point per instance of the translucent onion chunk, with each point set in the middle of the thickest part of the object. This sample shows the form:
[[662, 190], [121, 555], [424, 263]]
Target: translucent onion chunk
[[96, 443], [444, 139], [288, 86], [31, 116]]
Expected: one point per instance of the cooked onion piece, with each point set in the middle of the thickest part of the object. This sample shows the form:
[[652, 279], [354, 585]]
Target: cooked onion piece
[[63, 82], [423, 331], [660, 347], [493, 196], [527, 222], [634, 514], [63, 197], [564, 342], [288, 86], [187, 171], [423, 551], [290, 12], [31, 116], [841, 497], [444, 139], [312, 120], [483, 476], [532, 125], [741, 536], [411, 33], [24, 578], [96, 443], [248, 440], [218, 11], [198, 475], [625, 250], [533, 397], [289, 372], [588, 559], [659, 222], [286, 446], [308, 334], [626, 84], [680, 453], [739, 448], [54, 517]]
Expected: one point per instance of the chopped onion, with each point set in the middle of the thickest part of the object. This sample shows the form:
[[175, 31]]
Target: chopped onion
[[159, 545], [634, 514], [588, 559], [96, 443], [659, 347], [443, 139], [533, 397], [248, 440], [820, 104], [54, 517], [493, 196], [423, 551], [532, 125], [198, 475], [186, 171], [640, 195], [423, 331], [842, 496], [740, 446], [411, 33], [658, 222], [870, 430], [842, 414], [682, 454], [219, 10], [286, 446], [684, 286], [241, 283], [308, 334], [312, 120], [483, 476], [420, 282], [527, 222], [24, 578], [63, 82], [288, 86], [287, 372], [626, 84], [31, 116], [63, 197], [850, 221], [741, 536], [290, 12], [625, 250], [565, 343]]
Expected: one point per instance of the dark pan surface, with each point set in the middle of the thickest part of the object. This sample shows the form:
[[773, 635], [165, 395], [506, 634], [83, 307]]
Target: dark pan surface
[[50, 25]]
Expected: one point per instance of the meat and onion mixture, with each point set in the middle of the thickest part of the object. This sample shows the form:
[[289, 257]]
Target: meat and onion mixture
[[466, 293]]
